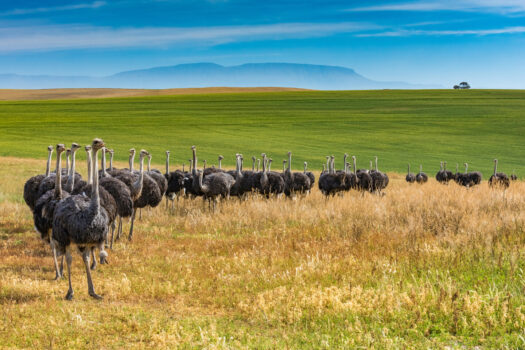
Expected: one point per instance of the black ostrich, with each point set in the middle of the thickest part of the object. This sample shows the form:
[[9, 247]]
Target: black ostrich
[[157, 176], [83, 222], [421, 177], [149, 196], [410, 178], [498, 179], [449, 175], [331, 182], [175, 179], [458, 177], [214, 186], [276, 180], [260, 179], [513, 176], [351, 178], [474, 177], [247, 181], [31, 186], [237, 190], [295, 182], [441, 175], [120, 193], [364, 182], [111, 154], [310, 175], [45, 208]]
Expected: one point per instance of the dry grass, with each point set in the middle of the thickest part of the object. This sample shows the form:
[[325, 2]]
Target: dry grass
[[67, 94], [425, 266]]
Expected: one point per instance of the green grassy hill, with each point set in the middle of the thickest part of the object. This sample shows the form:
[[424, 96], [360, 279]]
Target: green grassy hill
[[398, 126]]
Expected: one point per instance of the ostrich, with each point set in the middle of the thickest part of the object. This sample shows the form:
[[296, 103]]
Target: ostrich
[[111, 153], [331, 182], [150, 195], [175, 182], [384, 177], [351, 178], [295, 182], [310, 175], [157, 176], [410, 178], [215, 185], [220, 158], [236, 189], [440, 175], [45, 208], [276, 183], [458, 176], [120, 193], [513, 176], [31, 186], [498, 179], [260, 179], [134, 182], [364, 179], [421, 177], [448, 173], [247, 181], [470, 179], [82, 221]]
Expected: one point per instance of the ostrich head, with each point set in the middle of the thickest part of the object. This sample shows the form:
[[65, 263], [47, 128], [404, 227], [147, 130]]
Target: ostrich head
[[74, 147], [167, 153], [50, 148], [221, 157], [131, 151], [143, 153], [97, 144], [60, 148], [87, 148], [68, 152], [111, 151]]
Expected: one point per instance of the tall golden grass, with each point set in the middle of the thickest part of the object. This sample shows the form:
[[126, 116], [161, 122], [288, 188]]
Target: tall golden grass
[[423, 266]]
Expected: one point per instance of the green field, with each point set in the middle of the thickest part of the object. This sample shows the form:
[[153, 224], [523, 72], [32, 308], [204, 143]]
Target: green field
[[398, 126]]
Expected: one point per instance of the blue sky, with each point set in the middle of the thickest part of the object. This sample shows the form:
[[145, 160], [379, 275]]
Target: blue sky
[[430, 41]]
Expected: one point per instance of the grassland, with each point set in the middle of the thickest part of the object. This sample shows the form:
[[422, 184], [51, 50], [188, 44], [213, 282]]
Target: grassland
[[422, 267], [398, 126]]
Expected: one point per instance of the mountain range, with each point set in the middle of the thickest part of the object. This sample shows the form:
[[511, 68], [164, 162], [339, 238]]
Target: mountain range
[[305, 76]]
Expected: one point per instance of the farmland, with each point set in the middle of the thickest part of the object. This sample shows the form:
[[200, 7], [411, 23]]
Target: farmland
[[421, 127]]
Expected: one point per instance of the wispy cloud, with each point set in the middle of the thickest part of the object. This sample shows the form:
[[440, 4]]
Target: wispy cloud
[[479, 32], [499, 6], [85, 37], [28, 11]]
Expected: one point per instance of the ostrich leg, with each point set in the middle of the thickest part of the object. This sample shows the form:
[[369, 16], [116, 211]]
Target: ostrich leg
[[130, 237], [69, 259], [91, 289]]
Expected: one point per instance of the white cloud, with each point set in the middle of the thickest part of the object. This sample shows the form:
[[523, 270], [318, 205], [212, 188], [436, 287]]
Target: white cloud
[[59, 37], [479, 32], [90, 5], [499, 6]]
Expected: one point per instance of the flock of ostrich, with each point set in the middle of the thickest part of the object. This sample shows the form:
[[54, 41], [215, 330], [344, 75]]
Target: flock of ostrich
[[70, 212]]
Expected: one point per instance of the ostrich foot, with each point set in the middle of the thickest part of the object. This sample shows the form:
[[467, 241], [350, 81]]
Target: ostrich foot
[[58, 277], [104, 260], [69, 295], [94, 265], [95, 295]]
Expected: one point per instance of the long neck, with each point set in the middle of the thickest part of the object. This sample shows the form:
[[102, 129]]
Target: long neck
[[344, 161], [370, 165], [71, 178], [48, 165], [445, 166], [103, 163], [58, 177], [270, 165], [258, 164], [328, 164], [203, 188], [89, 178], [131, 161], [409, 168], [466, 168], [149, 164], [67, 164], [194, 169], [376, 163], [354, 164], [289, 162], [305, 168], [284, 167], [220, 163], [239, 166], [111, 161], [138, 184], [253, 164], [167, 163], [420, 168], [95, 199], [495, 167]]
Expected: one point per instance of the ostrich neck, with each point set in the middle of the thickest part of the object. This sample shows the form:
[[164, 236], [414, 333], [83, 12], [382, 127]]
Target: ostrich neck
[[131, 161], [67, 165], [149, 164], [253, 164], [305, 168], [354, 164], [194, 165], [89, 178], [289, 162], [239, 166], [409, 168], [58, 177], [421, 168], [167, 164], [203, 188], [48, 165], [220, 165], [95, 199], [495, 167], [71, 178], [376, 163], [138, 184], [103, 163], [111, 161], [269, 165]]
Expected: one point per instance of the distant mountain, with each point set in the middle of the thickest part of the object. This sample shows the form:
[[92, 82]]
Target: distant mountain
[[305, 76]]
